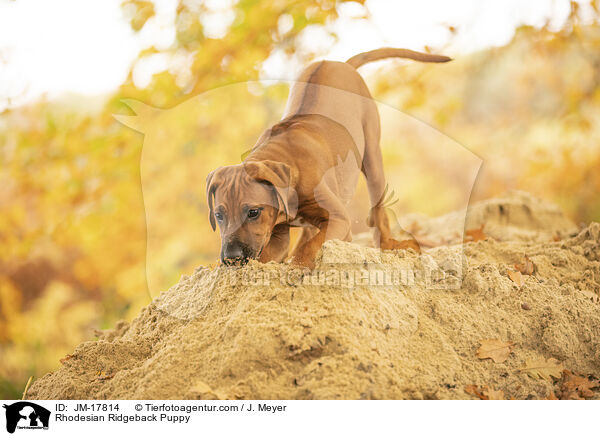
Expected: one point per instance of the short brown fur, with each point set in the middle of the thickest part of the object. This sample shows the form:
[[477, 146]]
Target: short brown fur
[[303, 171]]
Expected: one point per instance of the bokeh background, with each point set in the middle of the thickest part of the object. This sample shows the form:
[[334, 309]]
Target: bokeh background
[[523, 94]]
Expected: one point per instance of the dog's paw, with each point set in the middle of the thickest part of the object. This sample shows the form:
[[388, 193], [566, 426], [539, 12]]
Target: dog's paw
[[392, 244]]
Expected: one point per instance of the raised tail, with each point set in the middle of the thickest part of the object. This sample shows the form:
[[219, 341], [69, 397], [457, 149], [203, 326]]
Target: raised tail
[[383, 53]]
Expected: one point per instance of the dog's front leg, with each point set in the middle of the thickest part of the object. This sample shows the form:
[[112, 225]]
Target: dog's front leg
[[331, 229], [334, 223], [278, 245]]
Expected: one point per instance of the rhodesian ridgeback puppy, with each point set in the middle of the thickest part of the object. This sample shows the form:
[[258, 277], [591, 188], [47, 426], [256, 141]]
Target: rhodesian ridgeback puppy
[[303, 171]]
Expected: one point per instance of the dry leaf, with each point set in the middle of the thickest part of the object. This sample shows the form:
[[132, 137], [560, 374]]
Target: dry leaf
[[103, 376], [475, 391], [67, 357], [542, 368], [551, 396], [491, 394], [517, 278], [577, 387], [526, 267], [494, 349], [474, 235], [484, 392]]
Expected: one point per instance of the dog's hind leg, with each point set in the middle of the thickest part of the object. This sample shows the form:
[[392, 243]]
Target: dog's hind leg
[[372, 168]]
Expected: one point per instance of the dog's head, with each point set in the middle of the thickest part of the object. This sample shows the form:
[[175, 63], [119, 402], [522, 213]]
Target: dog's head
[[246, 201]]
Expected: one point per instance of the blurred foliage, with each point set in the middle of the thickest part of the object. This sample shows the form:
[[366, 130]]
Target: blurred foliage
[[75, 228], [72, 222], [530, 110]]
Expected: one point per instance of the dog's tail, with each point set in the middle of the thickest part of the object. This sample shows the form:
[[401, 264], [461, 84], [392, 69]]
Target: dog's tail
[[383, 53]]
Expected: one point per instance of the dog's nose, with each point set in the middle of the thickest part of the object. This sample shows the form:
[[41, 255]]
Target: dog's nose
[[233, 253]]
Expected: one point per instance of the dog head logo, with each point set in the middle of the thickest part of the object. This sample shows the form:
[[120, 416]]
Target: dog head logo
[[26, 415]]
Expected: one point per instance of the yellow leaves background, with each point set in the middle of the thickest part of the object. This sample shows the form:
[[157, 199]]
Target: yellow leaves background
[[72, 218]]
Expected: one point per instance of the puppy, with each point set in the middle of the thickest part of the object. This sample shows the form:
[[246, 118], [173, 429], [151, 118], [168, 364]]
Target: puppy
[[303, 171]]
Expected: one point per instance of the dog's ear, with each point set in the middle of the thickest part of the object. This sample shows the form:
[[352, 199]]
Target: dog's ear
[[280, 176], [211, 186]]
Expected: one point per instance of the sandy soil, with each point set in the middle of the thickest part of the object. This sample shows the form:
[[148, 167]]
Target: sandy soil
[[366, 324]]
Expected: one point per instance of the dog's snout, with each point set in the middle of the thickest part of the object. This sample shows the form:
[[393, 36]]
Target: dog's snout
[[233, 253]]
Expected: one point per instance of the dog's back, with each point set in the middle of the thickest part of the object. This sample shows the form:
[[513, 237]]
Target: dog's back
[[337, 91]]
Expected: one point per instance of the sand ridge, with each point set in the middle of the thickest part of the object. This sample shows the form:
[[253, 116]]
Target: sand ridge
[[368, 325]]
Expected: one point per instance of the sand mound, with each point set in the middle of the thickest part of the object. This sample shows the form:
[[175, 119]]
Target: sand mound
[[365, 325], [517, 216]]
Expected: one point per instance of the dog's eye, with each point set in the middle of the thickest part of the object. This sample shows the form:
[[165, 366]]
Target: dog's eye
[[253, 213], [219, 216]]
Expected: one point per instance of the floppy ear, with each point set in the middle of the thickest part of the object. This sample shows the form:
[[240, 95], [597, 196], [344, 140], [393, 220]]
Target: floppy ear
[[281, 178], [211, 186]]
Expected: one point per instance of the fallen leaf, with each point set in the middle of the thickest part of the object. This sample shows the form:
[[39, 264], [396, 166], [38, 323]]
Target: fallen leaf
[[474, 235], [491, 394], [67, 357], [494, 349], [526, 267], [475, 391], [576, 387], [542, 368], [484, 392], [103, 376], [551, 396], [516, 277]]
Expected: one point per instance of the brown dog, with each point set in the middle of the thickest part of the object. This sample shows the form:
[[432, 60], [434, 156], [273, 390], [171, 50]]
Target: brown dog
[[303, 171]]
